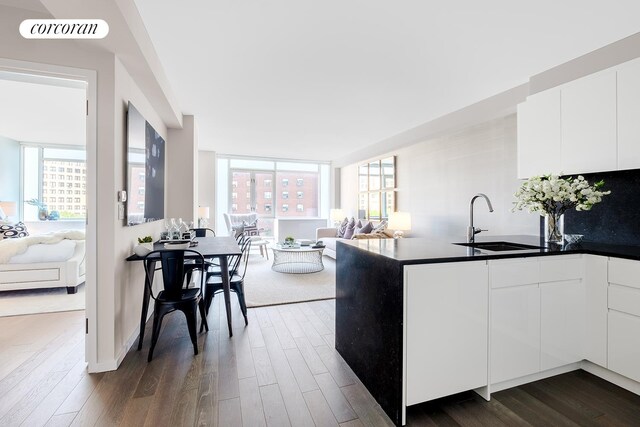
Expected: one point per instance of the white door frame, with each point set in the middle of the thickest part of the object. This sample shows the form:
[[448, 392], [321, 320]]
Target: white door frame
[[90, 77]]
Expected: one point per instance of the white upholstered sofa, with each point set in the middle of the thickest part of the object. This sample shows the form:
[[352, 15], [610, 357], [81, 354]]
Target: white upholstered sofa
[[44, 265], [328, 235]]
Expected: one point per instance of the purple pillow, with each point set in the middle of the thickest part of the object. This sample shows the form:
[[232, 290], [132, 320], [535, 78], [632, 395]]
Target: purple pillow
[[351, 228], [364, 229], [342, 227]]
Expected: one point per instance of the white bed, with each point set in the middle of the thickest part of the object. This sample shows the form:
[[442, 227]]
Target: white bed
[[60, 263]]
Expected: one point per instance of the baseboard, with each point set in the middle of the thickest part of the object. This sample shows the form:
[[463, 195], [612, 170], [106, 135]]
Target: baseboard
[[534, 377], [612, 377]]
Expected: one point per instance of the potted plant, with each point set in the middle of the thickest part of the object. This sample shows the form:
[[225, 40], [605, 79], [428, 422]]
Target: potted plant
[[42, 208], [289, 241], [145, 245]]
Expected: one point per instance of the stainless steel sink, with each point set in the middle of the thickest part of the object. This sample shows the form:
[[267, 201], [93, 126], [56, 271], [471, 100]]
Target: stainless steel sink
[[498, 246]]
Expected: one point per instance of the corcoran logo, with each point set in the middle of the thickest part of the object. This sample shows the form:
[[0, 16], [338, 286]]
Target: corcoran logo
[[64, 29]]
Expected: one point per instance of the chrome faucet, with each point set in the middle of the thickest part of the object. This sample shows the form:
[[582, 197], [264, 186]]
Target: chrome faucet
[[471, 230]]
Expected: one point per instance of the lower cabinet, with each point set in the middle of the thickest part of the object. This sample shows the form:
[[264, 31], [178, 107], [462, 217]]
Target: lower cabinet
[[624, 344], [447, 311], [515, 332]]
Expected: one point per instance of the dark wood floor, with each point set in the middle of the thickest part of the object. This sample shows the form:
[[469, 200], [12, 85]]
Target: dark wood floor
[[280, 371]]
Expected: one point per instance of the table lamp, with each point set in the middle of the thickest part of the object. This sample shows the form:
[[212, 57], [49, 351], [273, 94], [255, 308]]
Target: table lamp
[[399, 222], [7, 210], [336, 216], [203, 216]]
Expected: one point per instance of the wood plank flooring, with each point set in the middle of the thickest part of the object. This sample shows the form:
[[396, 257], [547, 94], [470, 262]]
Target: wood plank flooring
[[281, 370]]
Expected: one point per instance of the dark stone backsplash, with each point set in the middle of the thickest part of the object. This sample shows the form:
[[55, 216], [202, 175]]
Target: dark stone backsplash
[[617, 218]]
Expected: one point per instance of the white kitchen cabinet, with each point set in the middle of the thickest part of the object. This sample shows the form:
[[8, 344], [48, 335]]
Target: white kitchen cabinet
[[629, 115], [539, 134], [515, 332], [624, 344], [562, 306], [595, 338], [446, 329], [588, 114]]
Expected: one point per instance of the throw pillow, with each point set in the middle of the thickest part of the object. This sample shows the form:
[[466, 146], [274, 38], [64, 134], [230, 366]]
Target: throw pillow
[[8, 231], [251, 229], [342, 227], [380, 227], [364, 229], [350, 231]]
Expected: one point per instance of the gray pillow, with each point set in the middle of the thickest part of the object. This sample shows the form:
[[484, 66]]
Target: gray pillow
[[380, 227], [342, 227], [350, 231], [364, 229]]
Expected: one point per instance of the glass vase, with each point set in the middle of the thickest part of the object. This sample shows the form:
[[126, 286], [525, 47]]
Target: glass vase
[[554, 228]]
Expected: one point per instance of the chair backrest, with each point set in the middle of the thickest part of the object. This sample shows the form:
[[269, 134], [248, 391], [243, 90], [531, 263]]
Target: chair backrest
[[202, 232], [234, 261], [172, 263], [246, 248], [237, 219]]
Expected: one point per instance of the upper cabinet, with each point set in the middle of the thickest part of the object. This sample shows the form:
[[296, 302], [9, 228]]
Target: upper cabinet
[[588, 117], [629, 115], [539, 134], [591, 124]]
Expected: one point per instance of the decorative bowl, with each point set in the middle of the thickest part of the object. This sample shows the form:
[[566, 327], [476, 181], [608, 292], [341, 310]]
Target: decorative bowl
[[573, 239], [177, 245], [143, 249]]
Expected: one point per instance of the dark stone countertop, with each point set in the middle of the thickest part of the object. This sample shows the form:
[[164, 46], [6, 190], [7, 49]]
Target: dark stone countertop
[[427, 250]]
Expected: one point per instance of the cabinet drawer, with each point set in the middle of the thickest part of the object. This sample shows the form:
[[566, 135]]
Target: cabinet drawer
[[624, 272], [622, 298], [624, 344], [505, 273], [559, 268]]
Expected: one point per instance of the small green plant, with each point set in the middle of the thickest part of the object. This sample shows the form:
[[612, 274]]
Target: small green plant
[[145, 239], [289, 239]]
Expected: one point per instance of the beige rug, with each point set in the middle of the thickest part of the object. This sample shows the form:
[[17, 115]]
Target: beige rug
[[34, 301], [264, 286]]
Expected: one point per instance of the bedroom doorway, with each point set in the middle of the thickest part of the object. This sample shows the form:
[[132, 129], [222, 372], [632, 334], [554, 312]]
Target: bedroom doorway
[[53, 121]]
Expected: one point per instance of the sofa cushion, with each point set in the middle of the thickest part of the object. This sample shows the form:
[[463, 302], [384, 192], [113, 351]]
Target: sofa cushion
[[8, 231], [342, 227], [380, 227], [365, 228], [330, 242], [351, 229]]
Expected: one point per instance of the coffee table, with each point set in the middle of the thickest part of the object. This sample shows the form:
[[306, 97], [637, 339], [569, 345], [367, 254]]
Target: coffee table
[[302, 260]]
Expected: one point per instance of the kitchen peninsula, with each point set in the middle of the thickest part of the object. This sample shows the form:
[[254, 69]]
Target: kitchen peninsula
[[418, 319]]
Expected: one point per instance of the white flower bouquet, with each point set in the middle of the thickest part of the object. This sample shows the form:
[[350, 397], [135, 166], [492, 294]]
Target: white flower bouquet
[[552, 196]]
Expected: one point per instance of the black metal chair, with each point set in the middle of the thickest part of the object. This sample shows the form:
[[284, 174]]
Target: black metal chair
[[202, 232], [236, 281], [176, 295]]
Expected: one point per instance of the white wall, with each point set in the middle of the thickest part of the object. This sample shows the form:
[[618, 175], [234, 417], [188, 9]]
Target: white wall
[[207, 183], [437, 178], [10, 171], [182, 167]]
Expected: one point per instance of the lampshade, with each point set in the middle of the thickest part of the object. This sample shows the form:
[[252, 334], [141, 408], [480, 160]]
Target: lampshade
[[203, 212], [400, 221], [336, 215], [9, 208]]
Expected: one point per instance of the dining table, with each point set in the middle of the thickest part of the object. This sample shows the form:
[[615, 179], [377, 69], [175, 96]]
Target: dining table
[[220, 247]]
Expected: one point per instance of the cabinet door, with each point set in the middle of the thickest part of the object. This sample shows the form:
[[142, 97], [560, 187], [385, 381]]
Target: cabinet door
[[515, 332], [595, 339], [446, 329], [624, 344], [562, 323], [539, 134], [629, 115], [589, 142]]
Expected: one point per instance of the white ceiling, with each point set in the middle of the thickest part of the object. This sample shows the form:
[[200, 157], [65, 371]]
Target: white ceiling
[[42, 110], [319, 79]]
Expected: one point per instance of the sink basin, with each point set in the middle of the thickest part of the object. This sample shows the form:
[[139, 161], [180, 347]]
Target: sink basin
[[499, 246]]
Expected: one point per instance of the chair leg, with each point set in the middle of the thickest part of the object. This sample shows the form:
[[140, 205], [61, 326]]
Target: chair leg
[[158, 314], [208, 298], [203, 314], [192, 318], [243, 305]]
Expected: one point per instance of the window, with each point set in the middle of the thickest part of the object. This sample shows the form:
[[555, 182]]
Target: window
[[285, 182], [234, 207], [285, 194], [376, 188], [267, 207], [234, 195], [299, 207], [285, 208], [267, 194], [69, 170], [299, 182], [300, 195], [267, 183]]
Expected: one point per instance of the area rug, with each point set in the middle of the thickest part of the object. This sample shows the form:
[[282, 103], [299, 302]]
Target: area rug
[[264, 286], [34, 301]]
